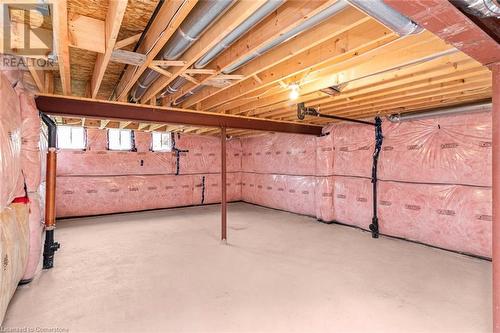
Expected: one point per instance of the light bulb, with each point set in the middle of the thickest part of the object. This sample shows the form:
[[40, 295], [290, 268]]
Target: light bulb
[[294, 91]]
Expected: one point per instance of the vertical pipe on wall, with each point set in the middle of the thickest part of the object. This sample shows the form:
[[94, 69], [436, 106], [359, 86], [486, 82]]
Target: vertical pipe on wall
[[223, 185], [496, 197], [378, 146], [50, 247]]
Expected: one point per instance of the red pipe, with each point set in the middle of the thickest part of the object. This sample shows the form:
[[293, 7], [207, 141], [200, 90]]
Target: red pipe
[[496, 197], [223, 184]]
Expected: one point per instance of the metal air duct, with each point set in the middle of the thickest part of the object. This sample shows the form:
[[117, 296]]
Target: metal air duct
[[471, 108], [386, 15], [204, 14]]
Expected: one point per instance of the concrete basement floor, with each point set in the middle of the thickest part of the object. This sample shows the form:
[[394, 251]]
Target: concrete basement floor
[[167, 271]]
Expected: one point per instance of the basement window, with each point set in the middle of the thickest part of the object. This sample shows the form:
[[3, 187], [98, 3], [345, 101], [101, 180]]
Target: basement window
[[120, 139], [71, 137], [162, 141]]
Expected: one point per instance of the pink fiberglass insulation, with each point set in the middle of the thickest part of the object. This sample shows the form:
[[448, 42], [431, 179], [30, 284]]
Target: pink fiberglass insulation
[[97, 139], [14, 76], [212, 192], [324, 155], [454, 217], [352, 201], [44, 146], [452, 150], [277, 153], [142, 141], [291, 193], [30, 136], [324, 198], [11, 179], [354, 145], [204, 154], [14, 233], [114, 163], [36, 228], [80, 196], [200, 158]]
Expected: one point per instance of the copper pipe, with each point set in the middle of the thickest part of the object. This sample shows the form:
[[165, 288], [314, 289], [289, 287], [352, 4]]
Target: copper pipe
[[496, 197], [223, 184], [50, 194]]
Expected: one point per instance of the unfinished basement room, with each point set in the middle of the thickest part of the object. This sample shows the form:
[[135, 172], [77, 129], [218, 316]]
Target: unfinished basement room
[[250, 166]]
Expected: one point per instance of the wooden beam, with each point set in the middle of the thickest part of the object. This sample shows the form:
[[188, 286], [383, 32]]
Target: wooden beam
[[84, 33], [114, 17], [48, 82], [237, 14], [160, 70], [169, 17], [189, 78], [168, 63], [104, 123], [287, 17], [203, 71], [128, 57], [89, 108], [60, 27], [455, 66], [351, 44], [391, 57], [87, 33], [38, 77], [127, 41], [124, 124], [333, 34]]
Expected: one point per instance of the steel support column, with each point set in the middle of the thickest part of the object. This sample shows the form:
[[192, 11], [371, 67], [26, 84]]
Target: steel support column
[[223, 184]]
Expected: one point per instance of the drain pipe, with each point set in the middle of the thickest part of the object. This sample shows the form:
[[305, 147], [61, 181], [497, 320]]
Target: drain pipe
[[303, 111], [439, 112], [50, 246]]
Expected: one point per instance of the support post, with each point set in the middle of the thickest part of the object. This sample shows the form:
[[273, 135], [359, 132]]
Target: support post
[[223, 185], [496, 196], [50, 247]]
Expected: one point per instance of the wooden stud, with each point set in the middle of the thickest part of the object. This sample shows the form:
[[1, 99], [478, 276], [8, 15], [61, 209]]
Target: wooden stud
[[239, 12], [60, 26], [38, 77], [173, 12], [87, 33], [114, 17], [127, 41]]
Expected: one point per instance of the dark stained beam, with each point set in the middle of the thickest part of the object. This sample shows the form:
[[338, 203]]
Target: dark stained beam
[[88, 108]]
